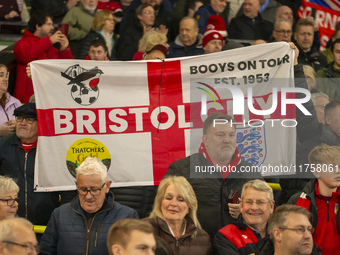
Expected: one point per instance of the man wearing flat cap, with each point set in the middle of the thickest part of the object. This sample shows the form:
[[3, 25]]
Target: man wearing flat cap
[[17, 158]]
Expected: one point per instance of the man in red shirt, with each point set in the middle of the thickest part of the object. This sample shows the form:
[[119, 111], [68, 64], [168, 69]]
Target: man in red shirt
[[38, 42]]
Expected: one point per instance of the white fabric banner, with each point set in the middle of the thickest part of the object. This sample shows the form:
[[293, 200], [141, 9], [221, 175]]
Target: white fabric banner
[[138, 117]]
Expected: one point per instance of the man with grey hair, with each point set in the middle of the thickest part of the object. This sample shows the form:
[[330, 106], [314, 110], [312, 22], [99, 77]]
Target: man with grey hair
[[290, 232], [80, 227], [79, 19], [17, 237], [282, 30], [304, 38], [247, 237]]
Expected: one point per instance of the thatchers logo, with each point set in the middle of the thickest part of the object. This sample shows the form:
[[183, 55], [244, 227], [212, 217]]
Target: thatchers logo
[[83, 148]]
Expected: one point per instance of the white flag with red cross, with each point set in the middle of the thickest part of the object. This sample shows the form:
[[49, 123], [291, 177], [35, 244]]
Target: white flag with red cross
[[138, 117]]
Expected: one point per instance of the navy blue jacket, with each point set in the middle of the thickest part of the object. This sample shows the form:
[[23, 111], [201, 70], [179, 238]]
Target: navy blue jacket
[[14, 162], [202, 16], [68, 232], [177, 49]]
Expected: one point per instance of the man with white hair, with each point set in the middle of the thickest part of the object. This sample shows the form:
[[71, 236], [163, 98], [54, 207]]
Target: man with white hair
[[80, 19], [17, 237], [81, 227]]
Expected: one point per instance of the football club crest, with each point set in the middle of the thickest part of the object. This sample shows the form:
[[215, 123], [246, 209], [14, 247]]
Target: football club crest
[[84, 89]]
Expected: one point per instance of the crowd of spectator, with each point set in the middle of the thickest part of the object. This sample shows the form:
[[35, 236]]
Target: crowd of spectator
[[221, 213]]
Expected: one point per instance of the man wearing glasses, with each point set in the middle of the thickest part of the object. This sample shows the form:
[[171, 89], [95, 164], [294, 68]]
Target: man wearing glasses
[[248, 235], [81, 227], [282, 30], [290, 232], [17, 237], [17, 160]]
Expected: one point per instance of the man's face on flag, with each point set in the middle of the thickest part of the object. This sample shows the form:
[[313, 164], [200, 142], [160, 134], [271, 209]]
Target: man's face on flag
[[220, 142]]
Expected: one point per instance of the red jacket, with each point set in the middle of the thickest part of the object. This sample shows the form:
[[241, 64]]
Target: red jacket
[[237, 239], [28, 49], [325, 216]]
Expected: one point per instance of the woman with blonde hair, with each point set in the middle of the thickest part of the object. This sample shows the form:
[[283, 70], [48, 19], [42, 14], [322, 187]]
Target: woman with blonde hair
[[149, 39], [102, 29], [8, 104], [174, 218], [8, 198]]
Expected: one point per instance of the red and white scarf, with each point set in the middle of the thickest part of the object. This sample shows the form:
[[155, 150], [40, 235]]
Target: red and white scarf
[[234, 161]]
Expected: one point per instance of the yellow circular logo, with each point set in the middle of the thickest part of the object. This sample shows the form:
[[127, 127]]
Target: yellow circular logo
[[83, 148]]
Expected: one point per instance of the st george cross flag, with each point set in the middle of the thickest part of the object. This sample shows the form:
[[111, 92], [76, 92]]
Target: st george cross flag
[[138, 117], [327, 15]]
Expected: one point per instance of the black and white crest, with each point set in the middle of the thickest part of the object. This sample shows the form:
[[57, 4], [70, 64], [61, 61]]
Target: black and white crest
[[84, 83]]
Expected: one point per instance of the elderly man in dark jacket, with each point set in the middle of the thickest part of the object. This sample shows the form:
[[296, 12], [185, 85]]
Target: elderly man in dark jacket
[[81, 226], [17, 160], [250, 25]]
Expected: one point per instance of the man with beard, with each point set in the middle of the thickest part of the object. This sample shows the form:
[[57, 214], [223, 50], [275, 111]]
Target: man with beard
[[38, 42], [80, 19]]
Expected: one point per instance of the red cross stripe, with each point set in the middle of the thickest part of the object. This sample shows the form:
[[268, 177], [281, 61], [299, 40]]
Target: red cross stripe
[[165, 89]]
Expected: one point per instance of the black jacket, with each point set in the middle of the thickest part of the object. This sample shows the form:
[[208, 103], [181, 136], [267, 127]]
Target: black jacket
[[86, 41], [56, 8], [71, 232], [127, 44], [14, 162], [238, 239], [246, 28], [140, 198], [268, 249], [308, 128], [211, 190], [312, 58]]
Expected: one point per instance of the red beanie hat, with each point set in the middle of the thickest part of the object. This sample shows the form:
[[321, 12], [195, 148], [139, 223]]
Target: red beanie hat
[[211, 35], [216, 22]]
